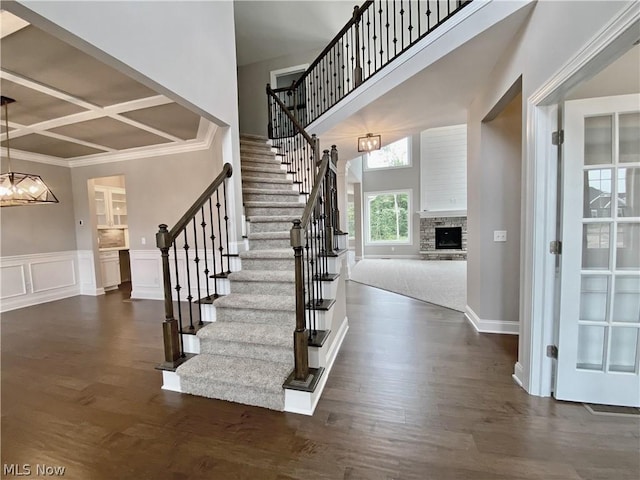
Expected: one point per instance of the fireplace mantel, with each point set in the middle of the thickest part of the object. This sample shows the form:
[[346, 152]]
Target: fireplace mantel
[[442, 213]]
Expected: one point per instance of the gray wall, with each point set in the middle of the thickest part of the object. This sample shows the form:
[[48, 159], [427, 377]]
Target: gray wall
[[159, 190], [391, 179], [501, 168], [40, 228], [252, 81]]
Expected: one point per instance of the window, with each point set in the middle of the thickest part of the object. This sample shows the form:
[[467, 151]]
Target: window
[[394, 155], [388, 218], [351, 218]]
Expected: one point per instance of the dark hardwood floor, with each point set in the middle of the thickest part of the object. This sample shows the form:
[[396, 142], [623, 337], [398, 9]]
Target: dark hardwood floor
[[415, 394]]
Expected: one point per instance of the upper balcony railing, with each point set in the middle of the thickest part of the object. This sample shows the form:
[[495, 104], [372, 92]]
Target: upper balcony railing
[[378, 32]]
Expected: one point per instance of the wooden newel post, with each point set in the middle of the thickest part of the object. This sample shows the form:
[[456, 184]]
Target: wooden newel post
[[357, 72], [170, 325], [301, 334], [334, 199]]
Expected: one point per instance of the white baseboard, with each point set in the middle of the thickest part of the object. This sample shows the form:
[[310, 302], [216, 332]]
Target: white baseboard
[[304, 403], [27, 280], [171, 381], [518, 373], [326, 355], [491, 326]]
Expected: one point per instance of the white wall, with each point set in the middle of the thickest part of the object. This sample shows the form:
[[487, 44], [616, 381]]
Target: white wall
[[443, 168], [252, 82]]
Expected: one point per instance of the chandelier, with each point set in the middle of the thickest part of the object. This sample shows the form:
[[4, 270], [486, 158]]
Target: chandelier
[[20, 188]]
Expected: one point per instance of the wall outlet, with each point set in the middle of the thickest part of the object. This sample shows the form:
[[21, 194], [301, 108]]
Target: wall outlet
[[143, 240], [499, 235]]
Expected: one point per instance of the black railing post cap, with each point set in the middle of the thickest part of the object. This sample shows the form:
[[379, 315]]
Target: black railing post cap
[[296, 223], [163, 227]]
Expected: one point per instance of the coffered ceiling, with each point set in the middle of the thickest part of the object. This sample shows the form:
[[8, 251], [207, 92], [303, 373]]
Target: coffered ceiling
[[71, 109]]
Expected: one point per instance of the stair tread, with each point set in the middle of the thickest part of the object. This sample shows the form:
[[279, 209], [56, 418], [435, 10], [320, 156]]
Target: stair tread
[[257, 302], [252, 333], [263, 276], [272, 218], [250, 179], [283, 235], [253, 136], [246, 372], [275, 204], [271, 254], [265, 169], [266, 191]]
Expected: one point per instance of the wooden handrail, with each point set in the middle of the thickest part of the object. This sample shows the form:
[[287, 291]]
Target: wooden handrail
[[293, 119], [313, 196], [226, 172], [357, 14]]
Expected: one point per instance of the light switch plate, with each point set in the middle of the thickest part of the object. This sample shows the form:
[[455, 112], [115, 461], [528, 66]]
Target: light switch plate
[[499, 235]]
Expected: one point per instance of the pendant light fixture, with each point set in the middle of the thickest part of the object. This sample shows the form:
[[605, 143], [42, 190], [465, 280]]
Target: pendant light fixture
[[20, 188], [369, 143]]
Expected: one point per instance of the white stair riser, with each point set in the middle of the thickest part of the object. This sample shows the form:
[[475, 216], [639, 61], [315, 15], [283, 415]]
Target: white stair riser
[[323, 319], [343, 241], [190, 343]]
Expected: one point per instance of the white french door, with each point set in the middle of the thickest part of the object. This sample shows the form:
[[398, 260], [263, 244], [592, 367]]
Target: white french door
[[599, 325]]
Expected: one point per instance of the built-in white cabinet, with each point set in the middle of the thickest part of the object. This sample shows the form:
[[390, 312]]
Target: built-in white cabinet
[[111, 207], [110, 263]]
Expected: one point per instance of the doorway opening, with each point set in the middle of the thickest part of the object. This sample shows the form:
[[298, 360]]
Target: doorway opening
[[110, 229]]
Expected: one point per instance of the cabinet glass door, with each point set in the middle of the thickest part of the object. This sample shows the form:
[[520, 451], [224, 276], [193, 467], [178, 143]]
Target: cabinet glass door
[[101, 207], [119, 208]]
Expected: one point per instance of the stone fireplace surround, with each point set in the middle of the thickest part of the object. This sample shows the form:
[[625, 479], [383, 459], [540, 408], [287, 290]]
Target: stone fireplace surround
[[429, 220]]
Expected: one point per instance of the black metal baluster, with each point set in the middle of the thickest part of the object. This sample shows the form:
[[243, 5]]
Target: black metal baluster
[[340, 68], [387, 25], [437, 13], [410, 23], [213, 249], [189, 296], [178, 288], [419, 32], [428, 13], [196, 260], [226, 223], [368, 43], [220, 248], [401, 27], [395, 36]]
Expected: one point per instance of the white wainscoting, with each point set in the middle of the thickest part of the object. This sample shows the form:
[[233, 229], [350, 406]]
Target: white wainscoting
[[27, 280], [146, 273], [87, 271]]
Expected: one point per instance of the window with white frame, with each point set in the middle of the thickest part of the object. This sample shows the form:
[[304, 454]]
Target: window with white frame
[[394, 155], [388, 217]]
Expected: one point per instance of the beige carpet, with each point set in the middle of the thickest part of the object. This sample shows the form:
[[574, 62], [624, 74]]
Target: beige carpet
[[442, 283]]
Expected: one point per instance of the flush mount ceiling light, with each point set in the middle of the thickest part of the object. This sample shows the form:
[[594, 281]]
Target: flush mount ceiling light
[[20, 188], [369, 143]]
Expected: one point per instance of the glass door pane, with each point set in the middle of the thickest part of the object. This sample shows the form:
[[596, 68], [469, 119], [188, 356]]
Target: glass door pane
[[101, 207]]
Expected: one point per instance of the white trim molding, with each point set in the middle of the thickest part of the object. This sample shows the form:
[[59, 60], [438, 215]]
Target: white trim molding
[[28, 280], [507, 327], [537, 305]]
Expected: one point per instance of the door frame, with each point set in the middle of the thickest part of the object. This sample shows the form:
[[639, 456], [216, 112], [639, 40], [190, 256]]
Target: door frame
[[534, 371], [274, 74]]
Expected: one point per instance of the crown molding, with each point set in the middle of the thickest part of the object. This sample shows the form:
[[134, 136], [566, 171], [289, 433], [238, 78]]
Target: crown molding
[[203, 143]]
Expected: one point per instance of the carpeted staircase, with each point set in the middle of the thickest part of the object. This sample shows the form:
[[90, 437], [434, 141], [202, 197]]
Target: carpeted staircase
[[247, 354]]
